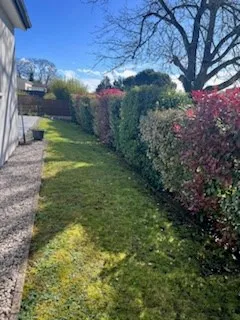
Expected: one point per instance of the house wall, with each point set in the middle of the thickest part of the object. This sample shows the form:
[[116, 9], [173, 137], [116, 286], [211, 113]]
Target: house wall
[[8, 85], [40, 89], [23, 84]]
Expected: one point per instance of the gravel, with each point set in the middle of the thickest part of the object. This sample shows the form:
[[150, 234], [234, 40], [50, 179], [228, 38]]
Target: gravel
[[20, 181]]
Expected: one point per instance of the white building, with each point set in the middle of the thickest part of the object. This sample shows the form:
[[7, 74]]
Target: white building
[[13, 15], [24, 85]]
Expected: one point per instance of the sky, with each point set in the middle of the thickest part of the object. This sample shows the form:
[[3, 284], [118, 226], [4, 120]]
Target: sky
[[63, 32]]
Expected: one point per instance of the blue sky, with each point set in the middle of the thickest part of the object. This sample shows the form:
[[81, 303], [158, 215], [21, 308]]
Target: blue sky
[[62, 32]]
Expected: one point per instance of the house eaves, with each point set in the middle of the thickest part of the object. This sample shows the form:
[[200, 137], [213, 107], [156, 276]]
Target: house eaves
[[22, 11], [17, 13]]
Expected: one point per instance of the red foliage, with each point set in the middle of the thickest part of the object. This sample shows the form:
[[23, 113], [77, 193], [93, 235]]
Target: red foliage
[[190, 113], [211, 137], [110, 92], [102, 113], [176, 128]]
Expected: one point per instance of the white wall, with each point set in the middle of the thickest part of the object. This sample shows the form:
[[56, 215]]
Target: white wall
[[23, 84], [8, 100]]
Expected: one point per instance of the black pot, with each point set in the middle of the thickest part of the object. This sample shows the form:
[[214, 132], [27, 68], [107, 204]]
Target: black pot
[[38, 134]]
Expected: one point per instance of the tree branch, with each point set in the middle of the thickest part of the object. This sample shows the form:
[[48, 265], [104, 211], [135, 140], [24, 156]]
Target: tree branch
[[221, 66], [175, 23], [235, 31], [225, 84], [207, 57], [178, 64], [195, 37], [226, 51], [140, 42]]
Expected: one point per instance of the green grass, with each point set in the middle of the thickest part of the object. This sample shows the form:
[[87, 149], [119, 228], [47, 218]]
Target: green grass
[[104, 247]]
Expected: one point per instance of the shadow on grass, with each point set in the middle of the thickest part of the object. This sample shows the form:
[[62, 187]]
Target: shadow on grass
[[104, 247]]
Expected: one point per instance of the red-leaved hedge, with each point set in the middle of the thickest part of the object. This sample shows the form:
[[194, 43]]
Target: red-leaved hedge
[[102, 122], [205, 158]]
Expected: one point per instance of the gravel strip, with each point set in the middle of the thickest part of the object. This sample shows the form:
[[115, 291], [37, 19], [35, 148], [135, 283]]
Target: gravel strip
[[20, 181]]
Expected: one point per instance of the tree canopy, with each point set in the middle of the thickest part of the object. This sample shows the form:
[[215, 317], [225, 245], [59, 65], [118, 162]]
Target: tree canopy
[[199, 38], [149, 77], [40, 70], [104, 84], [62, 89]]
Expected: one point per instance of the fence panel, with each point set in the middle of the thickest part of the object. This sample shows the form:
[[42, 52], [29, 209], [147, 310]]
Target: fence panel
[[32, 105]]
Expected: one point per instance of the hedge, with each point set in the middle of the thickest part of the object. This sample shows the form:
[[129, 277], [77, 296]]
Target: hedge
[[84, 106], [192, 151], [164, 147], [102, 114], [197, 156], [114, 110], [134, 106]]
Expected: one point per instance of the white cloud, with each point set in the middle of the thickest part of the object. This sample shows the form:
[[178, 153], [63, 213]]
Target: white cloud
[[24, 60], [223, 76], [178, 82], [90, 72], [68, 74], [91, 83], [123, 74], [92, 78], [127, 73]]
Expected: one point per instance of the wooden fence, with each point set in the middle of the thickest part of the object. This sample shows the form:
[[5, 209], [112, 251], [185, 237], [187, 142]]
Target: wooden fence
[[33, 105]]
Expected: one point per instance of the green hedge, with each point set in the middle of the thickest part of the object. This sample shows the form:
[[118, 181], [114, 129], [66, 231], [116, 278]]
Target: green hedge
[[192, 152], [135, 105], [84, 107], [171, 99], [114, 121], [164, 147]]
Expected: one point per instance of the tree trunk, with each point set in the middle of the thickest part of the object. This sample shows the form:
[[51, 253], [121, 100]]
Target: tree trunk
[[187, 85]]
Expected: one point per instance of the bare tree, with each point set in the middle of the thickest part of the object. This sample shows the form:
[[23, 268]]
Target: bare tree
[[42, 70], [25, 68], [45, 70], [200, 38]]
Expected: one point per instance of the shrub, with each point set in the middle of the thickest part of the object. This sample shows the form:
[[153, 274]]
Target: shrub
[[136, 104], [211, 137], [49, 96], [164, 146], [196, 153], [75, 86], [114, 120], [102, 118], [212, 156], [63, 89], [169, 99], [84, 111]]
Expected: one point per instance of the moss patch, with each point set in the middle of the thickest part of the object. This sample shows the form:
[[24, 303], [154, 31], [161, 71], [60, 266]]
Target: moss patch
[[104, 249]]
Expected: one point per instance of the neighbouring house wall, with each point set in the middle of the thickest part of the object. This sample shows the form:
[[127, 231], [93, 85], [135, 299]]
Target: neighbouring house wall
[[8, 90], [40, 89], [23, 84]]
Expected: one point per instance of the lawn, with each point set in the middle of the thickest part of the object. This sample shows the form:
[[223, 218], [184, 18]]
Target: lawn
[[105, 248]]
